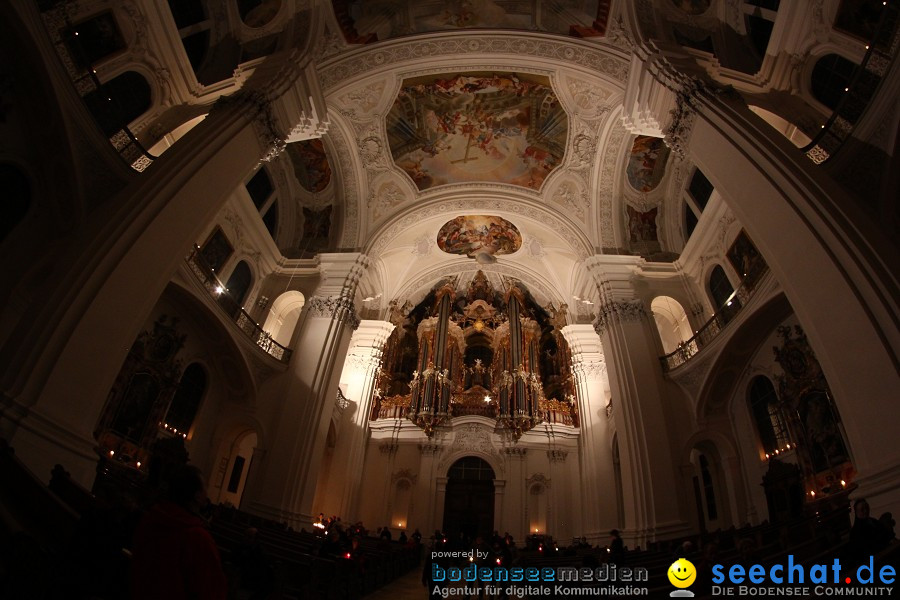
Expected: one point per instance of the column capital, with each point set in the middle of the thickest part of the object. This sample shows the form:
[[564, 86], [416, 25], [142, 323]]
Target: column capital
[[333, 307], [619, 311], [588, 361]]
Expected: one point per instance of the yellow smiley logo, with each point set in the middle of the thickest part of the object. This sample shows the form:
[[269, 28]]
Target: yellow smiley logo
[[682, 573]]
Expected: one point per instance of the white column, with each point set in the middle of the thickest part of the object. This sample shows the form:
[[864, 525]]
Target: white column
[[598, 482], [359, 374], [300, 411], [842, 286], [103, 282], [423, 516], [641, 407]]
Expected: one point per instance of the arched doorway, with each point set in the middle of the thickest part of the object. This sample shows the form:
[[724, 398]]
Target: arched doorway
[[469, 502]]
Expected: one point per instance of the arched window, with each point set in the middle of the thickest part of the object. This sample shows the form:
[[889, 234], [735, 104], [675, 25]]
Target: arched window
[[16, 198], [186, 401], [830, 77], [94, 39], [270, 219], [119, 101], [237, 287], [722, 293], [260, 188], [671, 322], [767, 415]]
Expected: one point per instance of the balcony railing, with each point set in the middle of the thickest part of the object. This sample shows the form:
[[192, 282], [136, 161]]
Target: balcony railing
[[238, 315], [57, 21], [724, 315], [862, 87]]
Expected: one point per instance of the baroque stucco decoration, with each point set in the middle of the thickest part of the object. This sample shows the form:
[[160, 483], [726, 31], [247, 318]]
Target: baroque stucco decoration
[[619, 311]]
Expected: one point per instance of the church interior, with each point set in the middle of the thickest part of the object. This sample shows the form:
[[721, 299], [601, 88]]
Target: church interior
[[549, 268]]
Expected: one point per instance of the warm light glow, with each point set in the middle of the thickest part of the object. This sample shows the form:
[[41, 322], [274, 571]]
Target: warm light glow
[[112, 452], [813, 494], [498, 561], [487, 398], [219, 289], [139, 464], [788, 446], [843, 483]]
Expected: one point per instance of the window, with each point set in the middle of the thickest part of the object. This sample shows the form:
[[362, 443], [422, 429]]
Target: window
[[722, 293], [119, 101], [188, 396], [260, 188], [700, 189], [270, 220], [690, 221], [830, 77], [767, 415], [239, 283], [93, 40], [216, 251]]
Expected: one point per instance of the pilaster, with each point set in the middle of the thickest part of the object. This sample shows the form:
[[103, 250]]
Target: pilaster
[[359, 374], [651, 492], [598, 484], [304, 404]]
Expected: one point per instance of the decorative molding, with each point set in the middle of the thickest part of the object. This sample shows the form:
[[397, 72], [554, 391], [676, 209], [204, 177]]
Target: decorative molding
[[341, 400], [388, 448], [619, 311], [473, 438], [515, 452], [588, 369], [557, 456], [404, 474], [334, 307], [482, 202], [577, 55], [430, 449]]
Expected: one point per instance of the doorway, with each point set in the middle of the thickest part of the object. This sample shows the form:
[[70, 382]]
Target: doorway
[[469, 500]]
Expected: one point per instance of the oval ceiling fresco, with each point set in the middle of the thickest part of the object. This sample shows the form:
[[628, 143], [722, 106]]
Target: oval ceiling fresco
[[479, 235], [484, 127], [647, 162]]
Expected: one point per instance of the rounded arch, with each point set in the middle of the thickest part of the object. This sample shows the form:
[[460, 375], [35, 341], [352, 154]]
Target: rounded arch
[[239, 284], [762, 401], [228, 362], [234, 459], [120, 101], [831, 75], [718, 487], [489, 458], [720, 291], [283, 315], [734, 357], [671, 322], [449, 201], [192, 390]]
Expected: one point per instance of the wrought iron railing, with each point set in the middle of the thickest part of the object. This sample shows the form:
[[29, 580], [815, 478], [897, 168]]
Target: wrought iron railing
[[238, 315], [724, 315], [56, 16], [862, 87]]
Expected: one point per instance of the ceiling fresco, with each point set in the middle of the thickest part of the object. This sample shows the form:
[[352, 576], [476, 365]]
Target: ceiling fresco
[[310, 164], [367, 21], [477, 235], [647, 163], [477, 127]]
